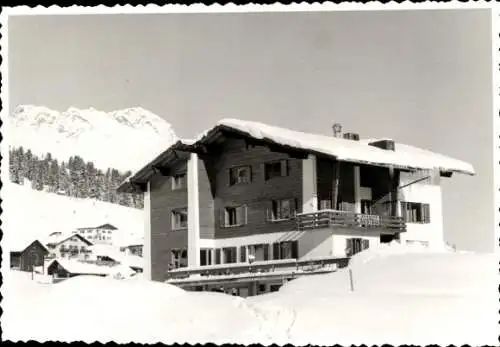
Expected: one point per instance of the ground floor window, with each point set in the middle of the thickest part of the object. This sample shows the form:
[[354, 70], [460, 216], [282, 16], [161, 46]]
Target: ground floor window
[[258, 252], [229, 255], [178, 258], [286, 250], [205, 257], [356, 245]]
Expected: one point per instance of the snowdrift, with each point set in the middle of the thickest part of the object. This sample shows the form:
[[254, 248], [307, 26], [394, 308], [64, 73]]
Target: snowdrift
[[402, 295], [92, 309]]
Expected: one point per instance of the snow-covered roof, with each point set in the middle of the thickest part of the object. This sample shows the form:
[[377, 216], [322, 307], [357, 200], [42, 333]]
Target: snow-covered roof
[[403, 157], [57, 239], [22, 243], [79, 267], [114, 253]]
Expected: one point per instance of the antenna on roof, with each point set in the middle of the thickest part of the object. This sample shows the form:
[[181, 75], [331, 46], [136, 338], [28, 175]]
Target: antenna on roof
[[337, 129]]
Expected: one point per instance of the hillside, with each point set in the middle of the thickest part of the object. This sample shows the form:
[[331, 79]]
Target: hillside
[[29, 214], [121, 139]]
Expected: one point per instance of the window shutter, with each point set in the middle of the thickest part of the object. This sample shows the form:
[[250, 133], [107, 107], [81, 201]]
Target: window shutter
[[276, 251], [366, 244], [263, 171], [266, 251], [217, 256], [243, 254], [268, 214], [223, 218], [250, 173], [349, 246], [295, 249], [284, 167], [426, 213]]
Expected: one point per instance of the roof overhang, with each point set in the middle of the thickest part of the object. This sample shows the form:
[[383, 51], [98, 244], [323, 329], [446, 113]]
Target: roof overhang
[[224, 129]]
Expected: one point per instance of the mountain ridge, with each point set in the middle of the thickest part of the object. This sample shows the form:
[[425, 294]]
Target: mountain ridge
[[121, 139]]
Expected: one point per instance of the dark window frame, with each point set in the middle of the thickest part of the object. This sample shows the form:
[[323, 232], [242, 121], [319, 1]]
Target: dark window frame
[[234, 175], [173, 213], [276, 168]]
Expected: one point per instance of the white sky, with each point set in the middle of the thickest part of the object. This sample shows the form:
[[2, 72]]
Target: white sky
[[419, 77]]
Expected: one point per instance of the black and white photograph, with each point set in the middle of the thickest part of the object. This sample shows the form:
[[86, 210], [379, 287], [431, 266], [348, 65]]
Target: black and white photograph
[[302, 174]]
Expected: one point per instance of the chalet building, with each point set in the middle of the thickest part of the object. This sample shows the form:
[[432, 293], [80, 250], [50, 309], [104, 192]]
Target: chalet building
[[28, 256], [69, 246], [102, 234], [248, 206]]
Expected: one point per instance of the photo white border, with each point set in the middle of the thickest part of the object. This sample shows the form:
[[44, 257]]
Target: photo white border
[[277, 7]]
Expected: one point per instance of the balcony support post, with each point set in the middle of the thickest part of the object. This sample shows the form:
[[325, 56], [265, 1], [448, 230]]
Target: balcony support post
[[193, 211], [357, 189], [309, 185]]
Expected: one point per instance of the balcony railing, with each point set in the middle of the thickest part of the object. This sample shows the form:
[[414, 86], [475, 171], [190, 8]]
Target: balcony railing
[[342, 219], [259, 268]]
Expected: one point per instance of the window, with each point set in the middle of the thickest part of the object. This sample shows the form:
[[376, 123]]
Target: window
[[276, 169], [286, 250], [356, 245], [217, 256], [240, 175], [258, 252], [414, 212], [234, 216], [179, 218], [178, 258], [229, 255], [205, 257], [179, 181], [282, 209], [366, 207]]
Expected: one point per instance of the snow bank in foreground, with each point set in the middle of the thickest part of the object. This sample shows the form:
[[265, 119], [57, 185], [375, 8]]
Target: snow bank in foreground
[[402, 295], [103, 309]]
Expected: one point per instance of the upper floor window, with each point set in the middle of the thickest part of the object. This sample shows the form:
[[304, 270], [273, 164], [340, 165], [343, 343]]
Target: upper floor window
[[179, 181], [276, 169], [235, 216], [179, 218], [240, 174], [282, 209], [415, 212]]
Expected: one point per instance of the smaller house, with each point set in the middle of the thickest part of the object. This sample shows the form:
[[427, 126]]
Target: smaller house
[[26, 257], [69, 246], [102, 234], [67, 268], [133, 246]]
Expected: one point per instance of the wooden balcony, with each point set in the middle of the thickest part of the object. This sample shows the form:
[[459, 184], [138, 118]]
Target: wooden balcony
[[269, 268], [341, 219]]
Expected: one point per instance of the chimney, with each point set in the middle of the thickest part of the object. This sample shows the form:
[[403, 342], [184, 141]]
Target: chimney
[[337, 129], [386, 144], [351, 136]]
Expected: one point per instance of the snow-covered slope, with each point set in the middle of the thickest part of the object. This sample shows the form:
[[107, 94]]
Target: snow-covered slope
[[29, 214], [119, 139], [402, 295]]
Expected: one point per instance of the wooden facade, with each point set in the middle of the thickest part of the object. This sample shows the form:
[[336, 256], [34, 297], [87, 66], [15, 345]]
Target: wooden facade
[[28, 258], [218, 192]]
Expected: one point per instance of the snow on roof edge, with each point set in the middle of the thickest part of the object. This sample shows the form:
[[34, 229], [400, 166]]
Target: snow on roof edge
[[342, 149]]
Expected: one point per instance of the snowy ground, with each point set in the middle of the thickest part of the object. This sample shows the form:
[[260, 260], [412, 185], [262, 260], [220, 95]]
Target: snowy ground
[[401, 296]]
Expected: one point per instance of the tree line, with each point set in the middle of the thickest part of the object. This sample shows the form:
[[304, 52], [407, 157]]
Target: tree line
[[76, 177]]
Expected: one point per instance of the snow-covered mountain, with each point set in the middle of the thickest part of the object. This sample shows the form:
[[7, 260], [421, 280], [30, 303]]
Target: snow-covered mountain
[[123, 139]]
